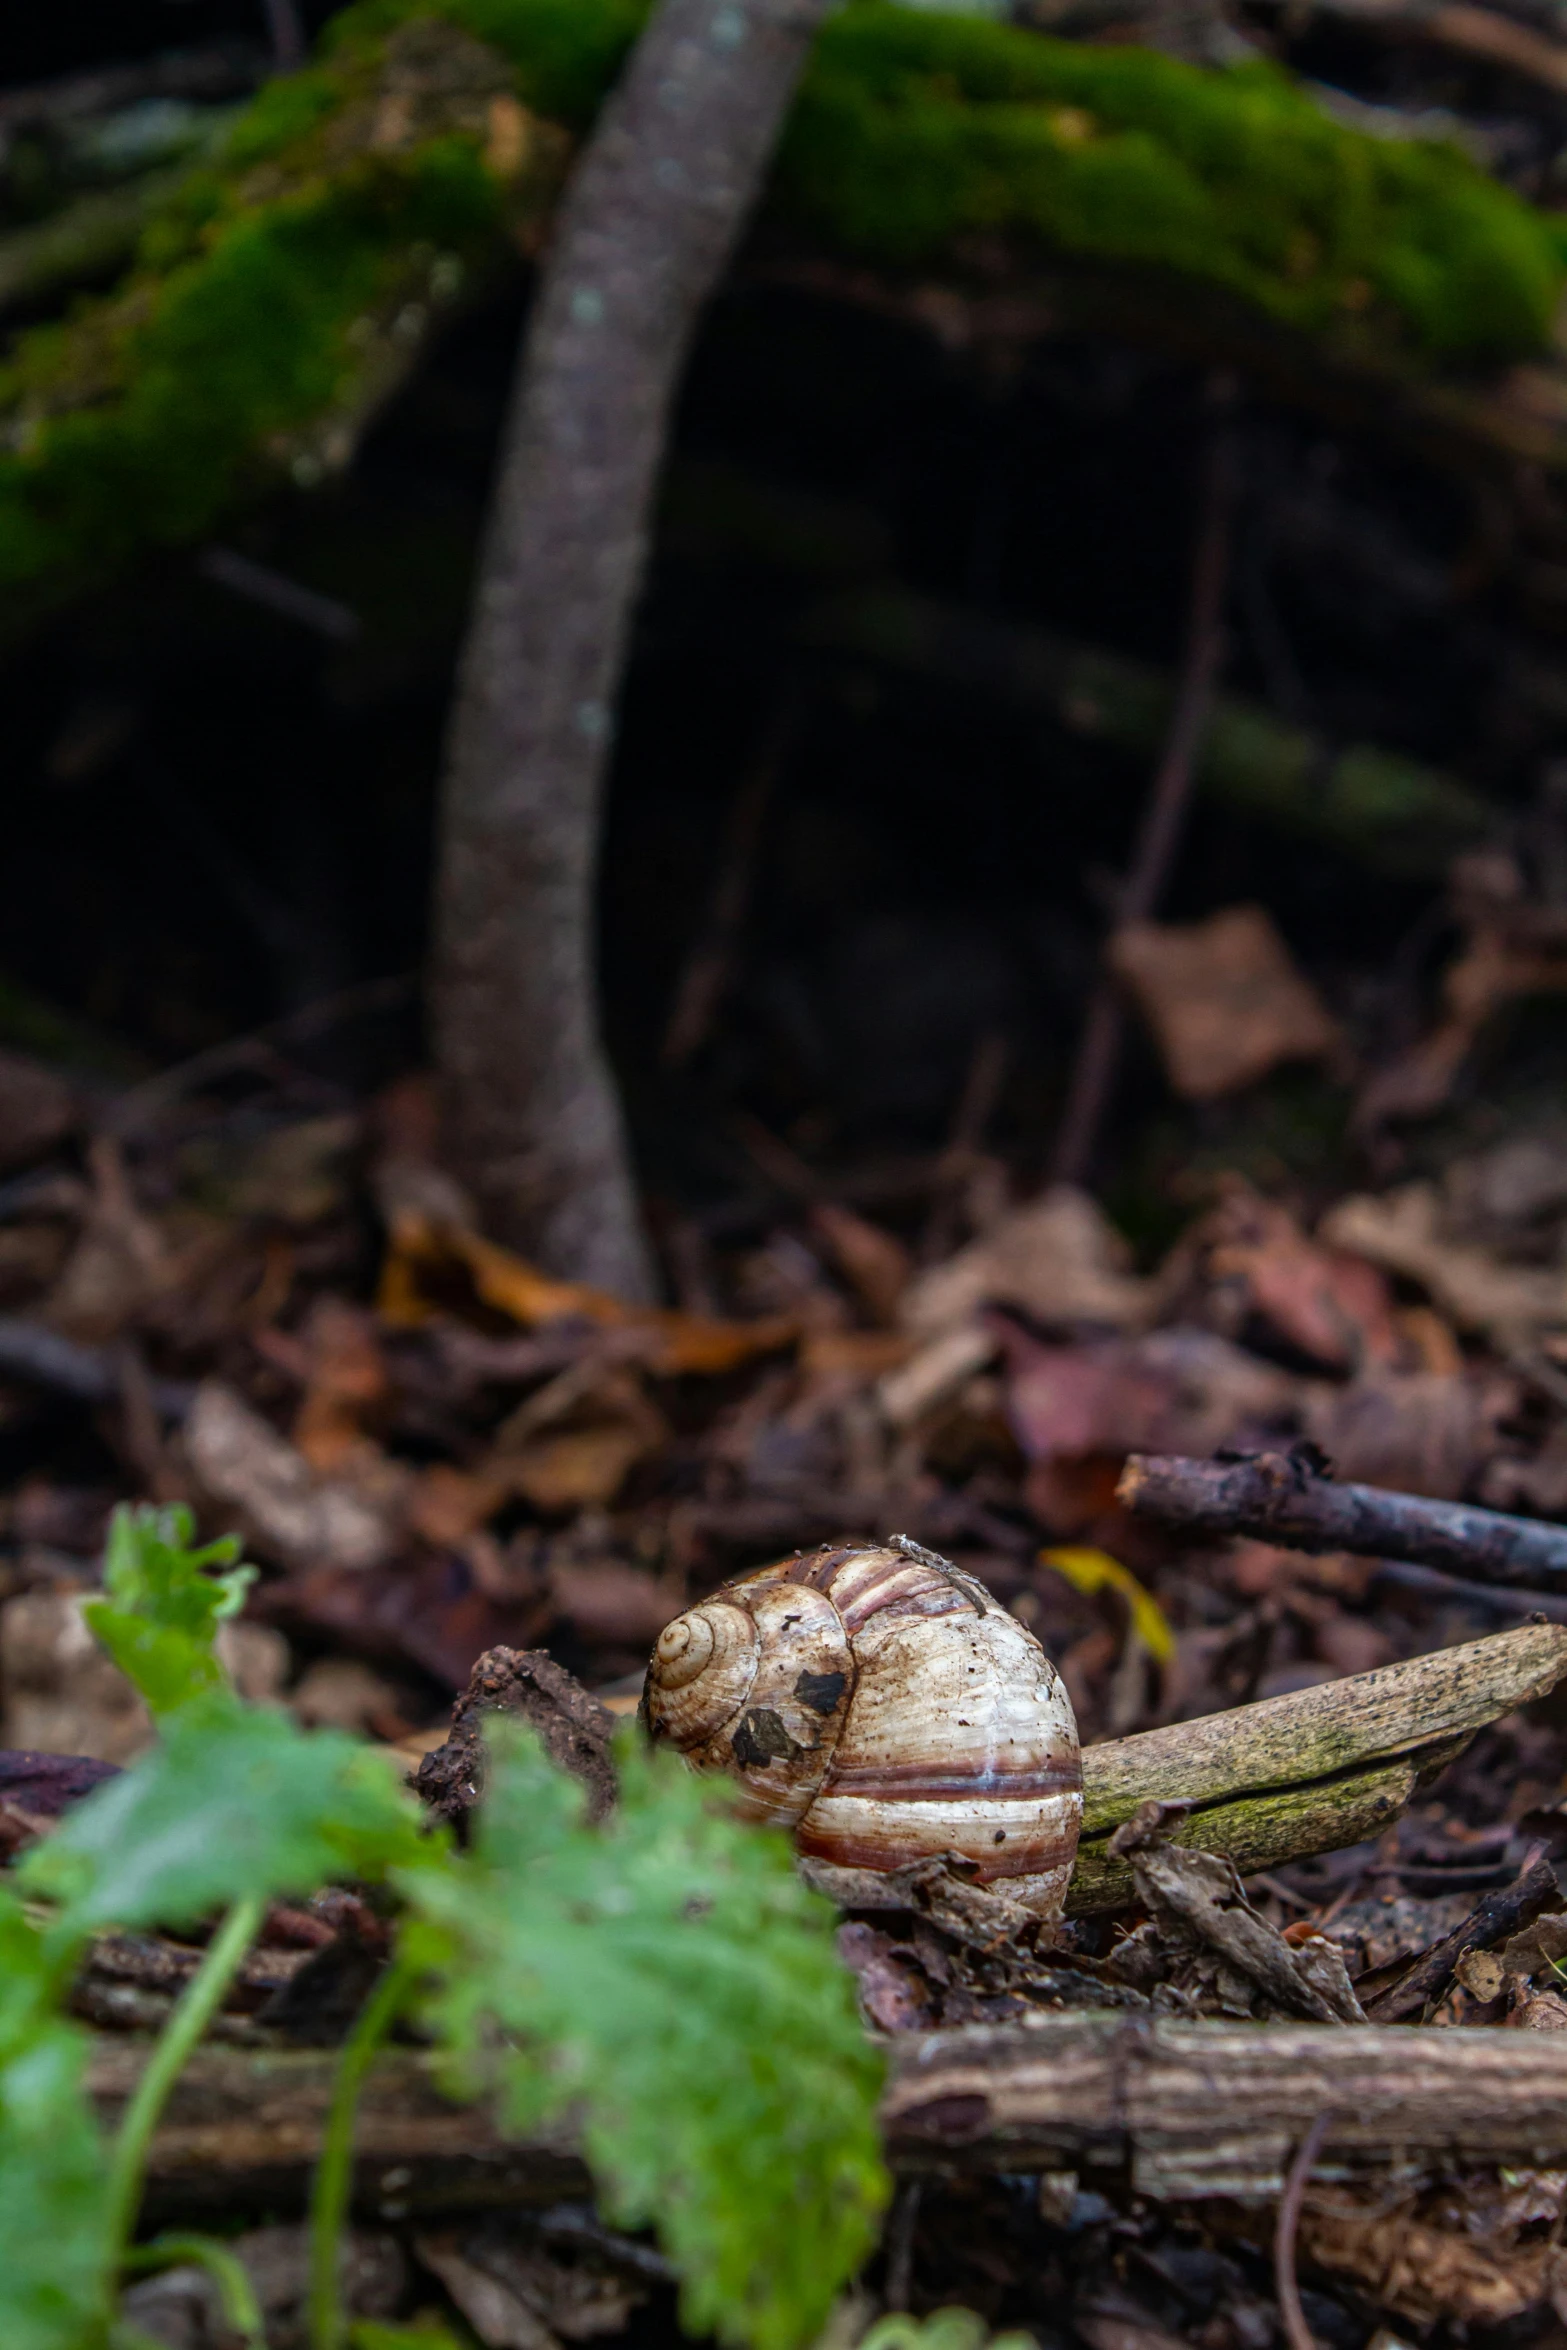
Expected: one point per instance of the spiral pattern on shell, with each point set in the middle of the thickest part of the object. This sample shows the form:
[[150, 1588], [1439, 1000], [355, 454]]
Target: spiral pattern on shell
[[878, 1702]]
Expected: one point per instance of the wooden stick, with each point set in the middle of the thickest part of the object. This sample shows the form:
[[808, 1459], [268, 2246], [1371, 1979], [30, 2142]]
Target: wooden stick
[[1192, 2109], [1281, 1497], [1264, 1830], [1311, 1771], [1337, 1726]]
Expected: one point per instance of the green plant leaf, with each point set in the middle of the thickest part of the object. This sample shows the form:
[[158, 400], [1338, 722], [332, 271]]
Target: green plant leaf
[[234, 1801], [162, 1604], [671, 1975], [53, 2236]]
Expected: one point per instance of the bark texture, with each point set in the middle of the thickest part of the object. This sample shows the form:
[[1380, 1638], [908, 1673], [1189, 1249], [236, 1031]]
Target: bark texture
[[1284, 1497], [649, 218], [1192, 2108]]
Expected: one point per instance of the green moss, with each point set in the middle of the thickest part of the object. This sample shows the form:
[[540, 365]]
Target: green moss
[[263, 292], [270, 290], [914, 129]]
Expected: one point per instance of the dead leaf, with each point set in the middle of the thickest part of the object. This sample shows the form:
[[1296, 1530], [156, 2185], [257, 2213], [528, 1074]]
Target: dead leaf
[[346, 1383], [342, 1693], [1414, 1431], [446, 1504], [1178, 1390], [1405, 1232], [1224, 999], [38, 1111], [123, 1260], [1201, 1893], [1259, 1276], [283, 1506], [1059, 1259], [577, 1468], [1422, 2272], [423, 1249], [1509, 952]]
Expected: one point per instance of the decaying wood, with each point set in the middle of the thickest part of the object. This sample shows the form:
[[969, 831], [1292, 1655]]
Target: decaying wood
[[1311, 1771], [1282, 1497], [1191, 2109], [1496, 1917], [1263, 1830]]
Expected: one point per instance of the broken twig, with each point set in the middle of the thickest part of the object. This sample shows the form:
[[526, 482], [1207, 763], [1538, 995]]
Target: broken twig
[[1284, 1497]]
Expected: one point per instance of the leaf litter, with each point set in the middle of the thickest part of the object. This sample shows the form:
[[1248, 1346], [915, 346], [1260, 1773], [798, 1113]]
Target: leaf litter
[[462, 1482]]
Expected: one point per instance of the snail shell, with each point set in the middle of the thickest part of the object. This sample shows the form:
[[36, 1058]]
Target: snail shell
[[884, 1707]]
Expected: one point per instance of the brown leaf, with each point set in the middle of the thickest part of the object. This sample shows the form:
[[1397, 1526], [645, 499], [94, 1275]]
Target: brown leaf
[[1414, 1431], [1255, 1265], [284, 1508], [425, 1248], [1178, 1390], [1419, 2271], [1059, 1259], [347, 1383], [1224, 999], [1406, 1232]]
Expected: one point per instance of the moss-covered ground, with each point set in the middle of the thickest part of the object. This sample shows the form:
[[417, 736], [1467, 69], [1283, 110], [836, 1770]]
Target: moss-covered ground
[[287, 280]]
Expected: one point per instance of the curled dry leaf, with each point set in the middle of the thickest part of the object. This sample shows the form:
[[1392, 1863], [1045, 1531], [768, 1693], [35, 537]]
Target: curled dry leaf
[[1257, 1275], [426, 1250], [1419, 2271], [1224, 999], [1414, 1431], [1059, 1259], [1406, 1232], [283, 1507]]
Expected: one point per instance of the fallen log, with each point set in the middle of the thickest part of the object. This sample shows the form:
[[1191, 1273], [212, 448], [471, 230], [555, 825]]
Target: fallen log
[[1311, 1771], [1187, 2109], [1282, 1497]]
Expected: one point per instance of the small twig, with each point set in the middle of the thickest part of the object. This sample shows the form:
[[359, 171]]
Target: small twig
[[1287, 1498], [709, 968], [1285, 2284], [1099, 1052], [1498, 1915], [35, 1356]]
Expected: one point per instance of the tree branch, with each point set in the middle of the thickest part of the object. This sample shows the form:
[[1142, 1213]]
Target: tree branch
[[1282, 1497]]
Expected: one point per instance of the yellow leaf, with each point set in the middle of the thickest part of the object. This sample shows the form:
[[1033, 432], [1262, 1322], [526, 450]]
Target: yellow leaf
[[1095, 1570]]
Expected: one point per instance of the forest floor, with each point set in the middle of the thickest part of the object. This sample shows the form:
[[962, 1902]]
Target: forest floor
[[234, 1289]]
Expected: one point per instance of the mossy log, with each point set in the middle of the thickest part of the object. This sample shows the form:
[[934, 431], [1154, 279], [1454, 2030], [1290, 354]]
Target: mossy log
[[1311, 1771], [1189, 2109], [1382, 809], [87, 238], [285, 289]]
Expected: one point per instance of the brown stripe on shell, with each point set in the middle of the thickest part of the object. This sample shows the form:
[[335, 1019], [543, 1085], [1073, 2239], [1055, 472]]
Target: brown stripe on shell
[[907, 1585], [922, 1783], [1022, 1859]]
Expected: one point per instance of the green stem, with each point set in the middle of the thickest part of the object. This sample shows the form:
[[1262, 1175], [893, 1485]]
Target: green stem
[[333, 2181], [197, 2005], [241, 2309]]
